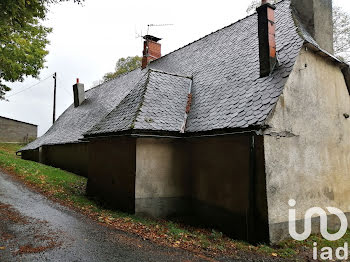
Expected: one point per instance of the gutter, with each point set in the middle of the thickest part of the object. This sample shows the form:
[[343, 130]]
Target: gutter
[[258, 130]]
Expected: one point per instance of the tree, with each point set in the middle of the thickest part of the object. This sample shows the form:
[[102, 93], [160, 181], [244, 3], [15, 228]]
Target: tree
[[341, 27], [23, 39], [124, 65]]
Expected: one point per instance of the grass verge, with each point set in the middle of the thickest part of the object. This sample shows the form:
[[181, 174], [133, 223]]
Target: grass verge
[[69, 190]]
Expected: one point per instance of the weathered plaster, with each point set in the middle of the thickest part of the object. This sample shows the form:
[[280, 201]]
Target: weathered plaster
[[161, 168], [312, 163], [162, 185]]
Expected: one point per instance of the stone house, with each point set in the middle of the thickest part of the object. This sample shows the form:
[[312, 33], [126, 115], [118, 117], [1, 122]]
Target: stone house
[[14, 131], [221, 132]]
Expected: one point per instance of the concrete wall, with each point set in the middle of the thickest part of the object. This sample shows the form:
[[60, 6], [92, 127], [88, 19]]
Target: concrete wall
[[307, 148], [207, 181], [70, 157], [16, 131], [217, 182], [163, 182], [112, 168]]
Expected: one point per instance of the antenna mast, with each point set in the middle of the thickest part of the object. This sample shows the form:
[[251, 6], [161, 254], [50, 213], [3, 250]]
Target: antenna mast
[[152, 25]]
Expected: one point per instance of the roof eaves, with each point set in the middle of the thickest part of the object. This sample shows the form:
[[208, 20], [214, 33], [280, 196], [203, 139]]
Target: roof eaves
[[257, 129]]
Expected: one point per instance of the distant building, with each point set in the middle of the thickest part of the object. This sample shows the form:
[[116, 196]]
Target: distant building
[[17, 131]]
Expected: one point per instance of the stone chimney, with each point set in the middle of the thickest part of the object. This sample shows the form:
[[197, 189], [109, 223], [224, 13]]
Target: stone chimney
[[79, 93], [317, 18], [151, 49], [267, 41]]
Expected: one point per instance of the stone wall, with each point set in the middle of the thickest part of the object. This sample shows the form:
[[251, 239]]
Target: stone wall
[[307, 147], [16, 131]]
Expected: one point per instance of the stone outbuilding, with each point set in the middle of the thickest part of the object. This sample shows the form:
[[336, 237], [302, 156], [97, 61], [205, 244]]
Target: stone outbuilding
[[223, 131], [14, 131]]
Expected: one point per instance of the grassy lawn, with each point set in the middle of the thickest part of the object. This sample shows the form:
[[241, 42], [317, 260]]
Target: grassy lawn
[[69, 189]]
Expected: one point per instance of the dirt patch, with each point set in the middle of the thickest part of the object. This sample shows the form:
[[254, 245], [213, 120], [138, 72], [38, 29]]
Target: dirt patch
[[7, 213], [24, 235], [30, 249]]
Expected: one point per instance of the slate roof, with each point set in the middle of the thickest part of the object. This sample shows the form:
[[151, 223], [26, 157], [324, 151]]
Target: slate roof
[[157, 102], [227, 89], [71, 125]]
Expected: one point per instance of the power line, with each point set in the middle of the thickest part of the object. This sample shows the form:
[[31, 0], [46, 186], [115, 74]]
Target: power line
[[64, 89], [30, 86]]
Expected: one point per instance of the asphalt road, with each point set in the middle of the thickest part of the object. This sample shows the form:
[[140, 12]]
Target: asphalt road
[[33, 228]]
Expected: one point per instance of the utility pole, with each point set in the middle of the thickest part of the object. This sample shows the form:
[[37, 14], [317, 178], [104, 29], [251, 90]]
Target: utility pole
[[54, 99]]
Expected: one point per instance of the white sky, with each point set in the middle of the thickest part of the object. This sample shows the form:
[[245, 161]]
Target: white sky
[[87, 41]]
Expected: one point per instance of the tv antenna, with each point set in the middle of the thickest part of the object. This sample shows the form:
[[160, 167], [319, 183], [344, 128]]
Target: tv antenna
[[152, 25], [141, 35]]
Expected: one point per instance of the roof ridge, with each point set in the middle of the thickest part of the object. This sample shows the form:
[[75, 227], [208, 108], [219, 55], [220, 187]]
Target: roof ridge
[[142, 100], [117, 106], [167, 73], [236, 22]]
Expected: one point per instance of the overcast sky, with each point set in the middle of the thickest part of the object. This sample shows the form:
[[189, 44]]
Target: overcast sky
[[87, 41]]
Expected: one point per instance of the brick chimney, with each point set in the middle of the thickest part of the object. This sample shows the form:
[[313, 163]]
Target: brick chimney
[[151, 49], [79, 93], [317, 18], [267, 41]]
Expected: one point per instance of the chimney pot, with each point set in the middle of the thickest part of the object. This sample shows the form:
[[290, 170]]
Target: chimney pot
[[77, 80]]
